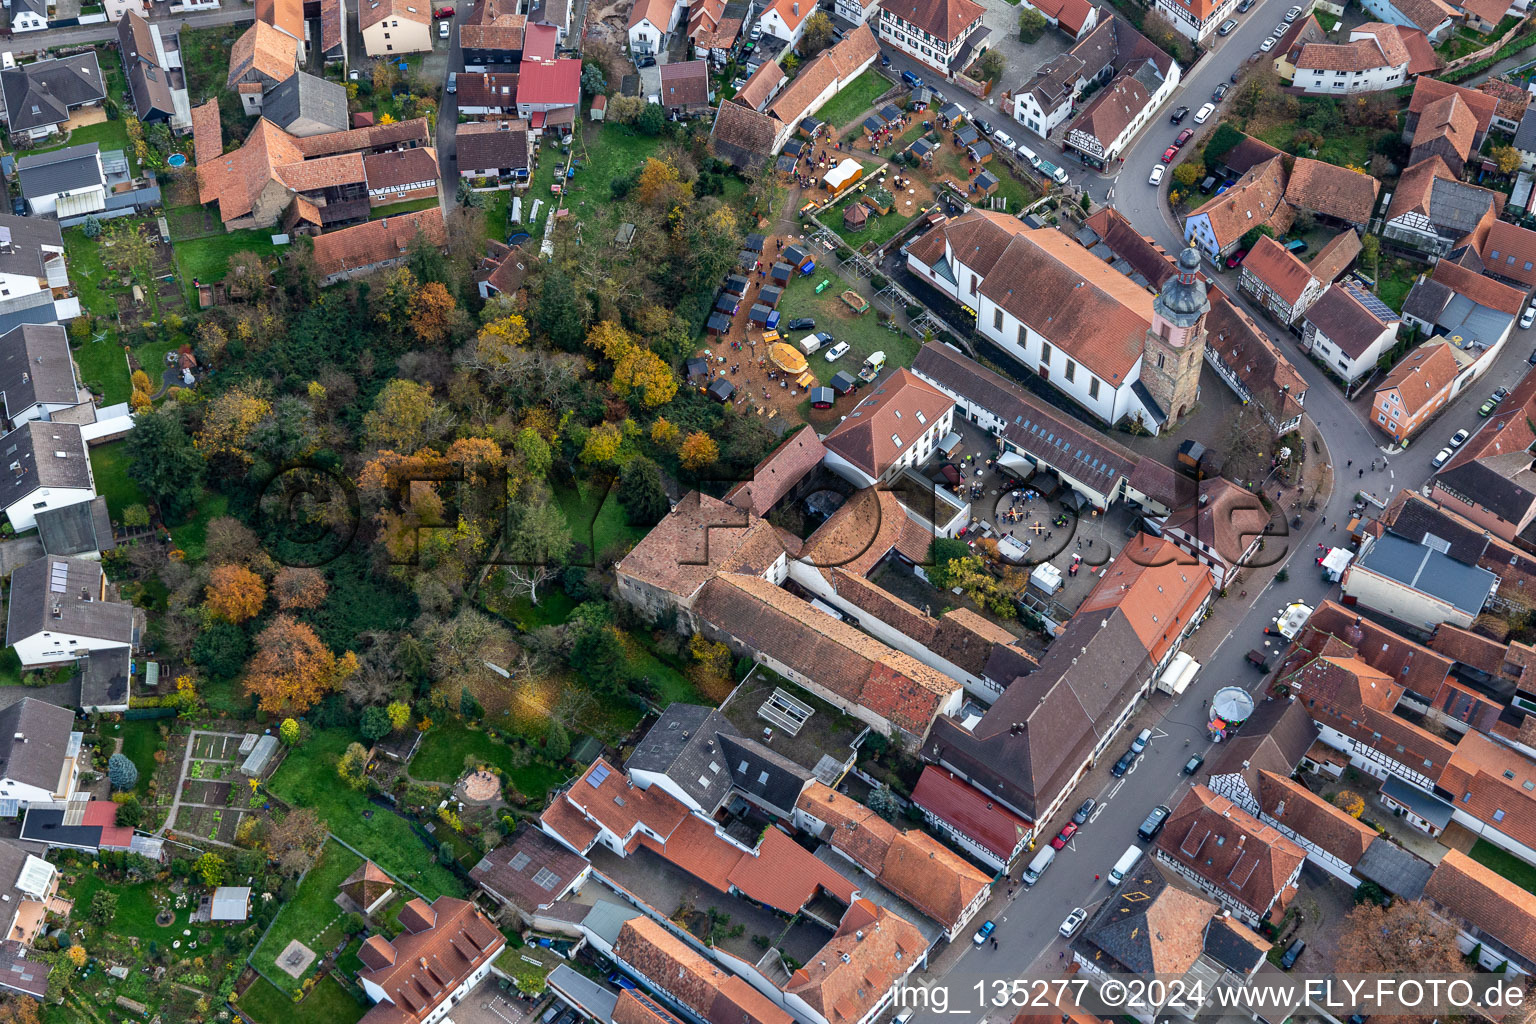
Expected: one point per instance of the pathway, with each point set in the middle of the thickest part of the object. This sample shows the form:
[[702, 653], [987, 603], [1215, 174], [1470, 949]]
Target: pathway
[[234, 14], [186, 767]]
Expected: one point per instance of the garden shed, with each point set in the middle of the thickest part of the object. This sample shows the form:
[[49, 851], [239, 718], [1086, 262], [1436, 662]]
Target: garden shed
[[781, 273], [771, 295], [842, 381], [736, 284], [721, 390], [856, 216], [822, 398], [718, 323], [754, 243], [986, 183]]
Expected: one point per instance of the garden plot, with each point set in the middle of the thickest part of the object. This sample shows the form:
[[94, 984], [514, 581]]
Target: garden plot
[[214, 823], [216, 746]]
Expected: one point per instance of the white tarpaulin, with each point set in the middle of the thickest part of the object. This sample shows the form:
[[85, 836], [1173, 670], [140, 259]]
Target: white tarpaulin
[[1047, 577], [1180, 673], [1013, 462], [843, 174], [1011, 550], [1336, 561]]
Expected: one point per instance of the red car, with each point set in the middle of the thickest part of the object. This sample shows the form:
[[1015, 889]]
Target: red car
[[1169, 154], [443, 12], [1236, 258], [1066, 835], [1184, 136]]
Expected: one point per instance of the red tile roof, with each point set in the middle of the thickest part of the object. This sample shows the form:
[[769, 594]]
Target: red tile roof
[[430, 963], [887, 422], [1332, 190], [1313, 818], [785, 876], [1422, 375], [1277, 269], [670, 964], [1486, 900], [853, 972], [556, 82], [1230, 850], [1158, 586], [1510, 251], [778, 474], [1487, 780], [371, 12], [700, 538], [969, 810], [1427, 90], [363, 245], [944, 19], [1447, 118], [1484, 291]]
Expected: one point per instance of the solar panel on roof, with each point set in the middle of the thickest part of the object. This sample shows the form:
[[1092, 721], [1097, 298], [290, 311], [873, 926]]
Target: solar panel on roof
[[598, 777]]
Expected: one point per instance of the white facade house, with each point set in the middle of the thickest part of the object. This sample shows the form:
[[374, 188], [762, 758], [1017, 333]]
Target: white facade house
[[47, 468], [785, 19], [1417, 584], [1195, 19], [28, 15], [1347, 329], [650, 22], [1113, 118], [60, 611], [1364, 64], [932, 32], [856, 12], [40, 750], [1434, 18]]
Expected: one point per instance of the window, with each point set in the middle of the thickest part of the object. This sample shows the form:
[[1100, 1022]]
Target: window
[[1093, 387], [546, 879], [997, 318], [896, 440], [1498, 815], [1161, 360], [1071, 370], [1045, 352], [40, 504]]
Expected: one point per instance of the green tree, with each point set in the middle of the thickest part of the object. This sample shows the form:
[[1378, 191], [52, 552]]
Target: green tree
[[597, 652], [557, 742], [130, 813], [374, 724], [535, 452], [221, 649], [122, 772], [1032, 25], [556, 313], [593, 81], [817, 35], [1251, 239], [941, 554], [466, 196], [1188, 173], [352, 767], [136, 515], [288, 732], [91, 228], [1370, 254], [990, 66], [211, 868], [164, 462], [642, 492], [652, 119], [103, 906]]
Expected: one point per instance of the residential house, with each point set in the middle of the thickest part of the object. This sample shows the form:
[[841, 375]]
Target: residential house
[[40, 758], [1146, 925], [1513, 101], [1448, 128], [1474, 312], [1489, 480], [1347, 329], [20, 976], [762, 86], [37, 371], [501, 270], [1337, 195], [494, 149], [1433, 210], [1334, 841], [333, 31], [684, 979], [1221, 525], [785, 19], [1509, 253], [980, 826], [305, 105], [1250, 868], [1427, 91], [548, 91], [1279, 282], [556, 14], [376, 245], [856, 12], [149, 81], [269, 178], [1525, 140], [1378, 56], [65, 183], [261, 58], [1418, 387], [34, 277], [1253, 366], [287, 16], [1417, 584], [1161, 589], [48, 468], [1074, 17], [488, 94], [487, 43], [28, 15], [1121, 109], [650, 22], [932, 32], [445, 948], [893, 428], [401, 175], [529, 872], [1109, 48], [1484, 781], [41, 96], [1432, 17], [60, 611], [394, 26], [1484, 16], [1217, 226], [1195, 19], [685, 87], [28, 883], [1302, 31], [715, 25], [1095, 466], [857, 974], [1277, 738], [1497, 921]]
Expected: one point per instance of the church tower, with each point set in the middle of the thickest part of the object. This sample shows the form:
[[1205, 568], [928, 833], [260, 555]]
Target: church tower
[[1175, 345]]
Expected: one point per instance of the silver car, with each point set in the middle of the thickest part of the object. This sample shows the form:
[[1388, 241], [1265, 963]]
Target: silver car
[[1073, 922]]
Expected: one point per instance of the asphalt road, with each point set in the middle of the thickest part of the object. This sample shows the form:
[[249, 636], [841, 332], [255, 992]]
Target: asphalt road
[[1027, 929], [448, 110]]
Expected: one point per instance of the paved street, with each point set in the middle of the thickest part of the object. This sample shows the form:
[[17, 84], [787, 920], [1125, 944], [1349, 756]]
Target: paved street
[[232, 14]]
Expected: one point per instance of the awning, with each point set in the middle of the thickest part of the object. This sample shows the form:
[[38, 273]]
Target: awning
[[1015, 463], [82, 204], [1073, 500]]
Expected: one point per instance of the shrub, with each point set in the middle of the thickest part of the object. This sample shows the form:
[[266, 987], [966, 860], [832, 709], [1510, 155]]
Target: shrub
[[122, 772]]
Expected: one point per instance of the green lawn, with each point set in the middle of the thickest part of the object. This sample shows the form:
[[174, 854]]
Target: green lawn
[[855, 98], [1397, 278], [207, 259], [443, 749], [877, 230], [409, 206], [497, 204], [87, 270], [1345, 145], [103, 365], [312, 912], [136, 907], [327, 1003], [140, 741], [109, 135], [596, 519], [671, 685], [114, 481], [308, 779], [863, 333], [951, 161], [1505, 864]]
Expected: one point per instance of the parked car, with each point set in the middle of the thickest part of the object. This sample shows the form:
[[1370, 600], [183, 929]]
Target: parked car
[[1193, 764], [1235, 76], [1124, 764], [443, 12], [911, 81], [1226, 27], [1073, 922], [1179, 115], [1292, 14], [1065, 835], [443, 28], [1459, 438], [1169, 154], [1204, 113], [1142, 739], [801, 323], [1528, 317], [453, 81], [1441, 459], [1236, 259], [1154, 822], [1220, 91], [1004, 140], [646, 61], [1184, 136], [1156, 176], [1531, 360], [1292, 954], [837, 351], [1085, 812], [1499, 394], [984, 933], [1486, 409], [19, 206], [1281, 29], [1246, 6], [1268, 44]]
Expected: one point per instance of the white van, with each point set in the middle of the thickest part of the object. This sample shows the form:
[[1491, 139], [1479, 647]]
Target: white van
[[1038, 865], [1004, 140], [1028, 154], [1123, 866], [810, 343]]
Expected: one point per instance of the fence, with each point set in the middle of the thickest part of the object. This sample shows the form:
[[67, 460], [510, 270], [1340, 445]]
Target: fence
[[1485, 52]]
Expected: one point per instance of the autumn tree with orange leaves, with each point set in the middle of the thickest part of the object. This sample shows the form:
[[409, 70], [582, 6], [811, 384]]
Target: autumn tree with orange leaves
[[299, 587], [431, 310], [698, 450], [292, 669], [235, 593]]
